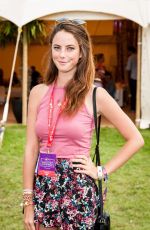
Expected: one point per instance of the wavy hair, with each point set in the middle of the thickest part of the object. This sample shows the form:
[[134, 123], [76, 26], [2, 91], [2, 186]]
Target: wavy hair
[[78, 87]]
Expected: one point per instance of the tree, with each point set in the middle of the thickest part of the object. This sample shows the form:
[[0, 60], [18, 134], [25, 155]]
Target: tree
[[35, 30]]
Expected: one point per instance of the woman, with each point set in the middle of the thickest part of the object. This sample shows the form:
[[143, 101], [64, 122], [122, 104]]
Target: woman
[[61, 192]]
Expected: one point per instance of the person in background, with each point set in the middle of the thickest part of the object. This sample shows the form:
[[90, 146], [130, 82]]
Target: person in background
[[59, 177], [110, 84], [2, 90], [1, 77], [131, 68], [16, 81], [100, 70], [35, 77]]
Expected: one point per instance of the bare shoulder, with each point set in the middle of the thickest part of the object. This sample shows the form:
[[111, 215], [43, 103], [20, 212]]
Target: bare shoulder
[[36, 95], [102, 95], [105, 103], [39, 89], [38, 92]]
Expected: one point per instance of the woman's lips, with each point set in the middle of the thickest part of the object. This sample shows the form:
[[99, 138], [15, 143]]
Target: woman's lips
[[62, 62]]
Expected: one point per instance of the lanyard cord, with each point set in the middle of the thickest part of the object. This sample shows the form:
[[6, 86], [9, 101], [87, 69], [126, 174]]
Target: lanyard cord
[[51, 128]]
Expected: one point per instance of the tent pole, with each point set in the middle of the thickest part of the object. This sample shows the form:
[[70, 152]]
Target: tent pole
[[138, 94], [25, 77], [6, 107]]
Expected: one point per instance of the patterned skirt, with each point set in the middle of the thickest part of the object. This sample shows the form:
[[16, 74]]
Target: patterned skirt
[[69, 201]]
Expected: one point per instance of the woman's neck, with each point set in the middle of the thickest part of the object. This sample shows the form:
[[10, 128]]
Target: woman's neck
[[63, 79]]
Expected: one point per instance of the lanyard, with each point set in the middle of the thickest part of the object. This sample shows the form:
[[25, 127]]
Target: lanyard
[[51, 128]]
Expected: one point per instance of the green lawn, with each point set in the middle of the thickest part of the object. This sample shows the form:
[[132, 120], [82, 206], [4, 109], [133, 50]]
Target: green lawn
[[128, 200]]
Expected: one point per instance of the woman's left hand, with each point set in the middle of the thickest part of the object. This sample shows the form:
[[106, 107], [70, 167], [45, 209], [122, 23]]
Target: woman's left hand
[[84, 165]]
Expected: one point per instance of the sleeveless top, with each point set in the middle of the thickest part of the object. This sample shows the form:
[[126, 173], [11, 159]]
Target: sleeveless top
[[72, 135]]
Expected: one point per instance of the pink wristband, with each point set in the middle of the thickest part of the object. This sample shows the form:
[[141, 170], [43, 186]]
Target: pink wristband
[[105, 175]]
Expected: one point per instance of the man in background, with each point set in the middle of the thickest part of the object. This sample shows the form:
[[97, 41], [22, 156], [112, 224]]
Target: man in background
[[35, 77], [132, 75]]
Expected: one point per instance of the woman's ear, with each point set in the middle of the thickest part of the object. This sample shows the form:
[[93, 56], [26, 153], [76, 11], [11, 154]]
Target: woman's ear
[[80, 55], [79, 60]]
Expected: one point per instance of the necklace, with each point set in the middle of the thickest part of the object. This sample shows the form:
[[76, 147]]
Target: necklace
[[59, 103]]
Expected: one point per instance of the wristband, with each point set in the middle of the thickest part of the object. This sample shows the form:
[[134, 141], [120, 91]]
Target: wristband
[[100, 172], [105, 175]]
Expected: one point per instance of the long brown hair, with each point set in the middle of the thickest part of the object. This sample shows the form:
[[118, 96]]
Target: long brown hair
[[78, 87]]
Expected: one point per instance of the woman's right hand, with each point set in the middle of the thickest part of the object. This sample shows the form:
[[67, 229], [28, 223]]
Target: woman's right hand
[[29, 217]]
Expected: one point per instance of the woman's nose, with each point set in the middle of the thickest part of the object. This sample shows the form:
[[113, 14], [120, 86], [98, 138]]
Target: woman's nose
[[62, 53]]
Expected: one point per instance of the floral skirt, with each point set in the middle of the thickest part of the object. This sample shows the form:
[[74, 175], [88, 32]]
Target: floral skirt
[[70, 201]]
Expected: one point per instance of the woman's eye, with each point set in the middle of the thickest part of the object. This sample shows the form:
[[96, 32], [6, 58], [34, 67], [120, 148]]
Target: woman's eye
[[70, 48], [56, 47]]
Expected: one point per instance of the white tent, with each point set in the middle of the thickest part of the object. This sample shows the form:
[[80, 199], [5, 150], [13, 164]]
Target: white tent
[[22, 12]]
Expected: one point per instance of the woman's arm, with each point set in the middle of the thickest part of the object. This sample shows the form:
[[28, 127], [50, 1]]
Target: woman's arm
[[31, 152], [108, 107], [31, 148]]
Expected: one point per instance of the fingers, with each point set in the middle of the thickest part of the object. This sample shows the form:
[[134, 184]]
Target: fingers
[[81, 159], [80, 166], [81, 171], [29, 225], [29, 218], [85, 171], [83, 164]]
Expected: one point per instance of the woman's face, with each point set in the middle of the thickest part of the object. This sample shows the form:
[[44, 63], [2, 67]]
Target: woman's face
[[65, 52]]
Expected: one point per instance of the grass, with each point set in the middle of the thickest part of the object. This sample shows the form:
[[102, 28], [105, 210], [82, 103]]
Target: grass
[[128, 199]]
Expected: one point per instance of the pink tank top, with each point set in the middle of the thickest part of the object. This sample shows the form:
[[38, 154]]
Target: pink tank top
[[72, 135]]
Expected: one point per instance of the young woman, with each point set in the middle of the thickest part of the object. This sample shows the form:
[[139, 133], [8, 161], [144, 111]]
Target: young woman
[[60, 193]]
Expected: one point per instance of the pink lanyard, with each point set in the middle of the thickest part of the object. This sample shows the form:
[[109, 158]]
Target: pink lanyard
[[51, 129]]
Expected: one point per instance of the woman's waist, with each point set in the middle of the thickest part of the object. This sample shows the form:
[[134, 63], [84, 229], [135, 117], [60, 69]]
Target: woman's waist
[[64, 151]]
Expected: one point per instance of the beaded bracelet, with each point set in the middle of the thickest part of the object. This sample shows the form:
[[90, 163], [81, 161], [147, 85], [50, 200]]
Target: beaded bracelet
[[27, 197], [26, 203], [105, 175], [102, 173], [29, 191]]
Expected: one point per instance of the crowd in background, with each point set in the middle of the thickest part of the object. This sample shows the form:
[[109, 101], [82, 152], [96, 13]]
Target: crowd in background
[[103, 77]]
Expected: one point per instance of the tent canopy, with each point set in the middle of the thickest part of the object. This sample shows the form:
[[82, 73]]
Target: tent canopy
[[22, 12]]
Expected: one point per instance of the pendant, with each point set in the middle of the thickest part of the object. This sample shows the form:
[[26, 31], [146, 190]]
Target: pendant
[[59, 103]]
